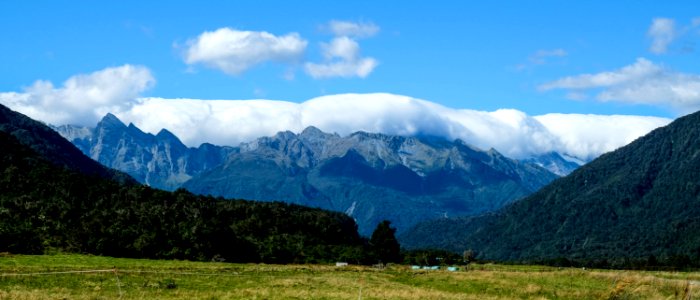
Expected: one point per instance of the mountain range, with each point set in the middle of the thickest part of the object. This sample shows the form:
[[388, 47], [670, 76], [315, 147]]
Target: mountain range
[[638, 203], [641, 201], [370, 177], [160, 160]]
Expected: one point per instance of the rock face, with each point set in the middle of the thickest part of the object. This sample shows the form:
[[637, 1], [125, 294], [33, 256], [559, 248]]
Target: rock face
[[372, 176], [555, 163], [161, 160]]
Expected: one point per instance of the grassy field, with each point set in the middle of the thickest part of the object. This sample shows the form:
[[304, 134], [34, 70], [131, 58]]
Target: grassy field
[[38, 277]]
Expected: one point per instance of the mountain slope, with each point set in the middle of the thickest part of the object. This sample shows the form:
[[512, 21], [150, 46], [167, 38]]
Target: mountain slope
[[640, 200], [45, 205], [372, 177], [161, 160], [51, 146]]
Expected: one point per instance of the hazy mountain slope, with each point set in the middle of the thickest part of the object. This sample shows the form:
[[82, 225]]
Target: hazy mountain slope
[[640, 200], [373, 176], [161, 160]]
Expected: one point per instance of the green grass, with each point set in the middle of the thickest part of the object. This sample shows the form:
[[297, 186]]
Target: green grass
[[157, 279]]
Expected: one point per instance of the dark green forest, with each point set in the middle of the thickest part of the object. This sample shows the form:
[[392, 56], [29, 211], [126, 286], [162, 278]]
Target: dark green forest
[[53, 198], [636, 206]]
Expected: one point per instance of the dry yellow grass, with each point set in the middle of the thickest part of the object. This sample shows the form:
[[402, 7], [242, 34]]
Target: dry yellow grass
[[147, 279]]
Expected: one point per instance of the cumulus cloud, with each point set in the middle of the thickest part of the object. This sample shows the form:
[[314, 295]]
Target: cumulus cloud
[[342, 55], [82, 99], [640, 83], [662, 32], [512, 132], [342, 47], [357, 30], [343, 60], [233, 51]]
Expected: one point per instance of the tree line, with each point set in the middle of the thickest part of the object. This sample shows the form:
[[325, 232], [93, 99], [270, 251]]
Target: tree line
[[44, 208]]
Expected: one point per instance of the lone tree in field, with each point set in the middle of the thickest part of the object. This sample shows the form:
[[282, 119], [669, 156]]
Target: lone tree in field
[[383, 243]]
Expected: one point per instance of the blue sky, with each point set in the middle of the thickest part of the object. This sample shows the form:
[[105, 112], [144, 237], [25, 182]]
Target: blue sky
[[481, 56], [565, 69]]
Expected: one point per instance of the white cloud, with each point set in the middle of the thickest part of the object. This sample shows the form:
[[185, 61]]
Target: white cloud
[[234, 51], [640, 83], [642, 68], [343, 68], [509, 131], [583, 135], [357, 30], [342, 47], [342, 55], [662, 32], [83, 99]]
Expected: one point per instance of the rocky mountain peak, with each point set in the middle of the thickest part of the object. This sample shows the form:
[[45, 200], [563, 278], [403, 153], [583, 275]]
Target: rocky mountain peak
[[312, 131], [111, 121], [166, 135], [161, 160]]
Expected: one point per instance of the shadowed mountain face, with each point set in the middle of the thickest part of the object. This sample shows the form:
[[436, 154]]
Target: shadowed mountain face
[[372, 176], [161, 160], [55, 149], [640, 200]]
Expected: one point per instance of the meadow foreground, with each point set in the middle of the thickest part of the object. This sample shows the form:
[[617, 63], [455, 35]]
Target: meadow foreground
[[94, 277]]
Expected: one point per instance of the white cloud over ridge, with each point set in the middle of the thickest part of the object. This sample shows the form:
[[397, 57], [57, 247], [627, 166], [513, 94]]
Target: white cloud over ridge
[[512, 132], [640, 83], [83, 99], [234, 51]]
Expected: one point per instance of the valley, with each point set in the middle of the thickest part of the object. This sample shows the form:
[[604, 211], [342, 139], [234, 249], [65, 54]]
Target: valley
[[349, 150]]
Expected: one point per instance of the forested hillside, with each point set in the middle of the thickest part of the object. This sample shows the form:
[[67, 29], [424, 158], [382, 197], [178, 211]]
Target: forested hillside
[[640, 202], [48, 205]]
